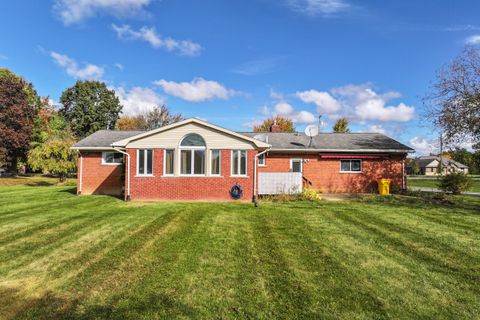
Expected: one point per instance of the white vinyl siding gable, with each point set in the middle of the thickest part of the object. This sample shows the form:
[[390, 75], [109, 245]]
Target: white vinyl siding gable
[[170, 139]]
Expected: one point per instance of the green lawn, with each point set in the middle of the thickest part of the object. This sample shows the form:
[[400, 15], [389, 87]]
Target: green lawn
[[69, 257], [433, 183]]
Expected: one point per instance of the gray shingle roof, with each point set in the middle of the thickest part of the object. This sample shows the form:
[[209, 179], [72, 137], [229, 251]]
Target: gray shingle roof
[[426, 160], [331, 141], [280, 141], [104, 138]]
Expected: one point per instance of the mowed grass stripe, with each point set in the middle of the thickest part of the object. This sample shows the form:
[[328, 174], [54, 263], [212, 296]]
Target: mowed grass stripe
[[309, 249]]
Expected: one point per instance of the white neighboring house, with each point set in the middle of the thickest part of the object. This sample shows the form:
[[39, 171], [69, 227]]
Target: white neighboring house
[[430, 165]]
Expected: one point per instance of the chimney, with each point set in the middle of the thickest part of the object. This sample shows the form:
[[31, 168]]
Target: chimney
[[275, 127]]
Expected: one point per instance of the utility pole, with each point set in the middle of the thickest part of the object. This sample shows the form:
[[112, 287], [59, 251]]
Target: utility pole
[[441, 153]]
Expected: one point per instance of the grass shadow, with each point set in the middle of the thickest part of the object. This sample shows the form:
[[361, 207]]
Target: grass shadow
[[53, 306]]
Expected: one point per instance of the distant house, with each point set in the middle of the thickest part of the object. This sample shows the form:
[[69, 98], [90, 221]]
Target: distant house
[[196, 160], [430, 165]]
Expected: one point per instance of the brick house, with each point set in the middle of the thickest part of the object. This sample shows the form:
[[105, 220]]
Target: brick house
[[196, 160]]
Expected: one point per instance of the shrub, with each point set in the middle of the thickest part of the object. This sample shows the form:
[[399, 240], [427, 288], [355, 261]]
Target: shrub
[[455, 183], [310, 195]]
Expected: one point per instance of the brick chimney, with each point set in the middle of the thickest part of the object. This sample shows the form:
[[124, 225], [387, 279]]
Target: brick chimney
[[275, 127]]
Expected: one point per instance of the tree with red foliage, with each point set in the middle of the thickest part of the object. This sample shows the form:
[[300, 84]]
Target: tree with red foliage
[[17, 111]]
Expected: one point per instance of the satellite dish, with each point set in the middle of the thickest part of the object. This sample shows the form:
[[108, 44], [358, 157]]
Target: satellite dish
[[311, 130]]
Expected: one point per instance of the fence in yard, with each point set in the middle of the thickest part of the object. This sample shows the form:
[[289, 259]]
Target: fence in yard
[[279, 183]]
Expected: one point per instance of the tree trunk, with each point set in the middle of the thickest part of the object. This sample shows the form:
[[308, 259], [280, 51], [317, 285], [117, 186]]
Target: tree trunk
[[63, 177], [12, 166]]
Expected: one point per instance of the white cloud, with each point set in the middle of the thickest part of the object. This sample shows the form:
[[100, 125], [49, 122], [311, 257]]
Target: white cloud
[[119, 66], [318, 7], [286, 110], [89, 71], [475, 39], [422, 146], [326, 104], [367, 105], [197, 90], [283, 108], [75, 11], [138, 99], [150, 35], [376, 128], [3, 57]]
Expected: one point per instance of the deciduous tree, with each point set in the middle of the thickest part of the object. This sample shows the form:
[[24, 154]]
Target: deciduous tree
[[89, 106], [285, 124], [454, 102], [17, 110], [158, 117], [54, 156], [161, 116]]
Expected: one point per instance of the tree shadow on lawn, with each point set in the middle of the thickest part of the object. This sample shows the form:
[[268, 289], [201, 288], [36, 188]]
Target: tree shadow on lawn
[[51, 306]]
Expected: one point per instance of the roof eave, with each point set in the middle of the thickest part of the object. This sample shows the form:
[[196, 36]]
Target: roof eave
[[344, 150], [90, 148]]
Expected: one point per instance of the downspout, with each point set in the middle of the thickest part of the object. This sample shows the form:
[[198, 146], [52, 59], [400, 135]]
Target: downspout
[[80, 180], [127, 198], [403, 174], [255, 159]]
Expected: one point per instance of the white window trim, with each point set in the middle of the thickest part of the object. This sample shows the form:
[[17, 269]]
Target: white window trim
[[145, 163], [238, 164], [165, 163], [219, 163], [361, 166], [104, 154], [264, 156], [296, 159], [192, 162]]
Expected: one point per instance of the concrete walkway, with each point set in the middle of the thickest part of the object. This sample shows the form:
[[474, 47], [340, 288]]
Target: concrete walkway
[[473, 194]]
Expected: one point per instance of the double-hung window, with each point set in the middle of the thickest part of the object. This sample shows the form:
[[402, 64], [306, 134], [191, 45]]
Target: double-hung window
[[239, 162], [350, 165], [192, 155], [144, 162], [215, 162], [169, 162], [113, 158]]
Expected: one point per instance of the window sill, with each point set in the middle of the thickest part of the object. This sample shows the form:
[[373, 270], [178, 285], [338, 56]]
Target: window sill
[[191, 176], [239, 176], [111, 164], [356, 172], [144, 176]]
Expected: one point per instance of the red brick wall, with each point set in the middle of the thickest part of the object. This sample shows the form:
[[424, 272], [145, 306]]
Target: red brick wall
[[160, 187], [98, 178], [324, 174]]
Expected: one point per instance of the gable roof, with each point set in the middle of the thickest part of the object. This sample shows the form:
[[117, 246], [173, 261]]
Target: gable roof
[[124, 142], [425, 161], [331, 142], [103, 139]]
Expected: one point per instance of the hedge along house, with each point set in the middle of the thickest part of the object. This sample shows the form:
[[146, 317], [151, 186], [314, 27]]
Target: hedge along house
[[196, 160]]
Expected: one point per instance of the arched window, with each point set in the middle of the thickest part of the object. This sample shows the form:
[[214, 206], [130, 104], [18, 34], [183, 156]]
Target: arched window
[[192, 155], [193, 140]]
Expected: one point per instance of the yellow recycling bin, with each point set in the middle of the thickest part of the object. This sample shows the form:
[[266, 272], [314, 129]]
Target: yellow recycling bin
[[384, 186]]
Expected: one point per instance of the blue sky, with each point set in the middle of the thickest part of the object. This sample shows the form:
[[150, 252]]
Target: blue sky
[[234, 63]]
